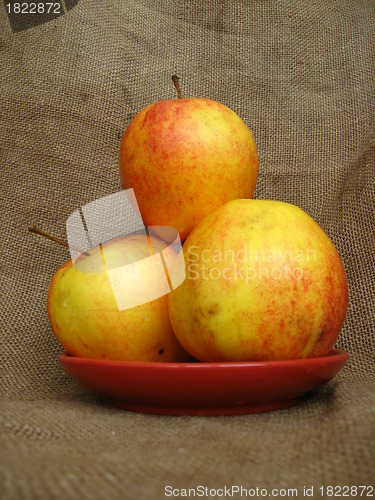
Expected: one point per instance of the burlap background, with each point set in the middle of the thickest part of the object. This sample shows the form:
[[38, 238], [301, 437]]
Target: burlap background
[[301, 74]]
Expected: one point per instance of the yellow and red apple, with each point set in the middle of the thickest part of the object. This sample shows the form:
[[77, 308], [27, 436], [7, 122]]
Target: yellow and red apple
[[263, 282], [87, 314], [186, 157]]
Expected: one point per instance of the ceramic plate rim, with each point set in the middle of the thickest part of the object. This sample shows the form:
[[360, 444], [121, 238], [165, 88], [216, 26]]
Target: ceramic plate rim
[[334, 354]]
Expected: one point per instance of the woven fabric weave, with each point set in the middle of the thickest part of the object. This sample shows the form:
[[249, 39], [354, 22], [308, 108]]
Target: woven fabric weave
[[301, 75]]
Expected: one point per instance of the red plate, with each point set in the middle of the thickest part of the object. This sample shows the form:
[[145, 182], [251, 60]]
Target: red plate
[[204, 388]]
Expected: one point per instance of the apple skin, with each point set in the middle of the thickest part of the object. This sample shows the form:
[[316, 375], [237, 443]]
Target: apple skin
[[290, 305], [184, 158], [87, 322]]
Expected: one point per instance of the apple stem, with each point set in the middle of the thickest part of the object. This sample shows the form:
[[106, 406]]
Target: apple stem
[[177, 85], [36, 230]]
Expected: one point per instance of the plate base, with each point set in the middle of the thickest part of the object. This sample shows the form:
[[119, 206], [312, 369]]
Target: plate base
[[226, 388], [234, 410]]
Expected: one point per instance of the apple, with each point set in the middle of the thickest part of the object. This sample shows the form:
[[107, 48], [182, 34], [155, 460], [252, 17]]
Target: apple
[[186, 157], [95, 314], [263, 282]]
